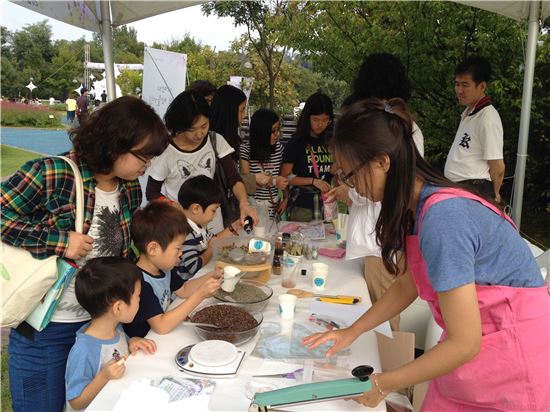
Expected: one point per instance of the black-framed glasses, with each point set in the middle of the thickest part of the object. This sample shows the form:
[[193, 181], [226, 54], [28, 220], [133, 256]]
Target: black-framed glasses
[[345, 178], [145, 160]]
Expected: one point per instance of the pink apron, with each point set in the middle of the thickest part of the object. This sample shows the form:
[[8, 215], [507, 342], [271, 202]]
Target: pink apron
[[512, 370]]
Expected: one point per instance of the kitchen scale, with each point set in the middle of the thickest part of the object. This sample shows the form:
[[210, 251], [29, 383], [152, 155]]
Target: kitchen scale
[[210, 359], [314, 392]]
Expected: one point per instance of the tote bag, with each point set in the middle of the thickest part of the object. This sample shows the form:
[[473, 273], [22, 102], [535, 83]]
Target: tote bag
[[31, 287]]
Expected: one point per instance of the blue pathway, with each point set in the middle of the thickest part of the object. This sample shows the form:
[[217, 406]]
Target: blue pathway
[[50, 142]]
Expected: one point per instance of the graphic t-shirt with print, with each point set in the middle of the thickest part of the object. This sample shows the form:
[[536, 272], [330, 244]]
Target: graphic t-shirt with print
[[107, 234], [297, 153], [156, 296], [88, 355], [174, 166]]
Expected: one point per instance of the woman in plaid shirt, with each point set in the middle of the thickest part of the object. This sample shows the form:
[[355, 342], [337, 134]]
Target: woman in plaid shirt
[[111, 150]]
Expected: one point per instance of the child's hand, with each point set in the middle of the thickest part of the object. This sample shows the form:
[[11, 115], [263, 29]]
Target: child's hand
[[114, 369], [146, 345], [209, 287], [215, 274]]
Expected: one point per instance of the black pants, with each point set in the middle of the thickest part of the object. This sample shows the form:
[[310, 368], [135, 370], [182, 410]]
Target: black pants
[[483, 186]]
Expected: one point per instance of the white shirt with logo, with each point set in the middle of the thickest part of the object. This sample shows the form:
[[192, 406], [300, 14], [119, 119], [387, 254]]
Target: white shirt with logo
[[479, 138]]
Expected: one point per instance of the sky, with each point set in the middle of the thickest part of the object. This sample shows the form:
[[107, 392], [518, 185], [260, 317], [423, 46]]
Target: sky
[[213, 31]]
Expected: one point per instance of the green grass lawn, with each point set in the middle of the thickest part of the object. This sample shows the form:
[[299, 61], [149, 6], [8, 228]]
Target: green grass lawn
[[6, 396], [12, 158]]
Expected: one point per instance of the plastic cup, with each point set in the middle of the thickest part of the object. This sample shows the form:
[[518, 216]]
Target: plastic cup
[[319, 272], [289, 271], [287, 306], [230, 278]]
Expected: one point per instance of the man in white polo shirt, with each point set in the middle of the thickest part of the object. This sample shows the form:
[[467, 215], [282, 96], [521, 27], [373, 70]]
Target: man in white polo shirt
[[476, 156]]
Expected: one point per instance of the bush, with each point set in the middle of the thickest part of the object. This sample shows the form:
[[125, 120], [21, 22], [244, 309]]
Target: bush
[[19, 114]]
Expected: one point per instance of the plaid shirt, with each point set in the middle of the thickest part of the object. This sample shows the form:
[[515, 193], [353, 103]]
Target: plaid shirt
[[38, 206]]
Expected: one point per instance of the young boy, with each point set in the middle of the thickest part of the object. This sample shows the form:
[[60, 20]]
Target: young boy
[[108, 288], [158, 232], [200, 198]]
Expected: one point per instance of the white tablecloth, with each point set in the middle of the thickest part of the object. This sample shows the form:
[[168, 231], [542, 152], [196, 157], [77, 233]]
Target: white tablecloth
[[345, 277]]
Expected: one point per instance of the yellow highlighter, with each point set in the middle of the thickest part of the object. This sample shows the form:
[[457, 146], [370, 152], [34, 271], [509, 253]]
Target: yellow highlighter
[[341, 300]]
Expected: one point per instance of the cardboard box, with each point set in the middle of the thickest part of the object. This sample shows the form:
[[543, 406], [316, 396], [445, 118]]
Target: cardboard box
[[395, 353]]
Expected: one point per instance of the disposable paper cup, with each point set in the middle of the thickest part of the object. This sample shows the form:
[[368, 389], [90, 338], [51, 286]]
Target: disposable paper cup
[[319, 281], [230, 278], [319, 272], [287, 306]]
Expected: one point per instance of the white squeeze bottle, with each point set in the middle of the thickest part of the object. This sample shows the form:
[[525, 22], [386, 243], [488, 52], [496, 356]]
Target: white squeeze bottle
[[259, 245]]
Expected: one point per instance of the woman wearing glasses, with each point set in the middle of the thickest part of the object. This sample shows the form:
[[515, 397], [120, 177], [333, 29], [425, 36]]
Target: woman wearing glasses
[[307, 161], [191, 152], [263, 153], [465, 258], [112, 149]]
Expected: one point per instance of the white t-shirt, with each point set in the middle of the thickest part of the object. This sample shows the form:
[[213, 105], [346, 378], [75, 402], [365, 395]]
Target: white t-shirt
[[174, 166], [479, 138], [107, 234], [418, 138]]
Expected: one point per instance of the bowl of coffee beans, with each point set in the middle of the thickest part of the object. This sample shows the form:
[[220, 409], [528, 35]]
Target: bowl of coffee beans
[[234, 324], [248, 294]]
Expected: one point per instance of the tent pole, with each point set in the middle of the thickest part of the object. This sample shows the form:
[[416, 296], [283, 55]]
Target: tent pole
[[107, 37], [521, 159]]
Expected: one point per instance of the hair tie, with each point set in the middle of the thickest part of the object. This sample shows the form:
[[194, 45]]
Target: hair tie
[[388, 108]]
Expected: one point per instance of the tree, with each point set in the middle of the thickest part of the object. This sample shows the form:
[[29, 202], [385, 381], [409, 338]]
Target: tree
[[263, 19], [126, 47], [430, 38]]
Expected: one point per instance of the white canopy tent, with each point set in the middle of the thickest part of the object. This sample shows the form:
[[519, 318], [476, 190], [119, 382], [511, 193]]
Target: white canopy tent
[[102, 15]]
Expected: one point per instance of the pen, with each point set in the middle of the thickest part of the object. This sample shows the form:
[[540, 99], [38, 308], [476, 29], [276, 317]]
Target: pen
[[344, 301]]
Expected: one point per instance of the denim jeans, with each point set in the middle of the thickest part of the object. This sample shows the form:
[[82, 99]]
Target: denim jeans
[[37, 367]]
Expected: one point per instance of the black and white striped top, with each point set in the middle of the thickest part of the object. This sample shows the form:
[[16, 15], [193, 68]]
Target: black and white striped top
[[271, 166], [194, 246]]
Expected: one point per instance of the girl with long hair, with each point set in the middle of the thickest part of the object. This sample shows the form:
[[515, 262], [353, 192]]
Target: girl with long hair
[[464, 256], [263, 153], [307, 159]]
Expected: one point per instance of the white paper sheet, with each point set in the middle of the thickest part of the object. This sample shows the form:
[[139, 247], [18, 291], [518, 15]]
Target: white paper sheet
[[347, 313]]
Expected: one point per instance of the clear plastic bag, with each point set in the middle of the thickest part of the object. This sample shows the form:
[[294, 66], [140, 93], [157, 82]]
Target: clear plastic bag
[[330, 207], [277, 343]]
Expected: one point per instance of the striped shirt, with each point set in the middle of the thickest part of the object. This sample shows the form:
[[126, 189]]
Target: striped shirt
[[272, 166], [194, 246], [38, 206]]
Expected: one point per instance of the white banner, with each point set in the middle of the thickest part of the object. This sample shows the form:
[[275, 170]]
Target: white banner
[[164, 75]]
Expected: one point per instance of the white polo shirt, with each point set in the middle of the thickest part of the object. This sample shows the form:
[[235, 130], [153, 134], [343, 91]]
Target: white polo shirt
[[479, 138]]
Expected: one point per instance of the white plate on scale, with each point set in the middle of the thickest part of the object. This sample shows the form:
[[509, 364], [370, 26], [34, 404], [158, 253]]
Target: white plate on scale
[[210, 358], [213, 353]]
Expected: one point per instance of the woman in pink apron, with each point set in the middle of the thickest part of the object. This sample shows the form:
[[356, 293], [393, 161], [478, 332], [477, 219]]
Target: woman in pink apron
[[466, 260]]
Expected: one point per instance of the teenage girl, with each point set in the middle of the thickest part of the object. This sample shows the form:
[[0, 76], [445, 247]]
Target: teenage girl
[[307, 159], [263, 153]]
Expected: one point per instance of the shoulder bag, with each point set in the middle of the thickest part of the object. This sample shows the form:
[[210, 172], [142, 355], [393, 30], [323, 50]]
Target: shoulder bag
[[230, 204], [31, 287]]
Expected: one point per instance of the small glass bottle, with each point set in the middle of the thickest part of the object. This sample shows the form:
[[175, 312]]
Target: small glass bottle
[[277, 262]]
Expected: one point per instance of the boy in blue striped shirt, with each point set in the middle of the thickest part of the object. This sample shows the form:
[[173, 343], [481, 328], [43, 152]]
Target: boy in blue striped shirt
[[200, 197]]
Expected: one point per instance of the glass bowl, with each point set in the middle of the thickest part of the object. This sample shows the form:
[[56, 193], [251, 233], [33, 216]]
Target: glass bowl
[[248, 295], [235, 337]]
